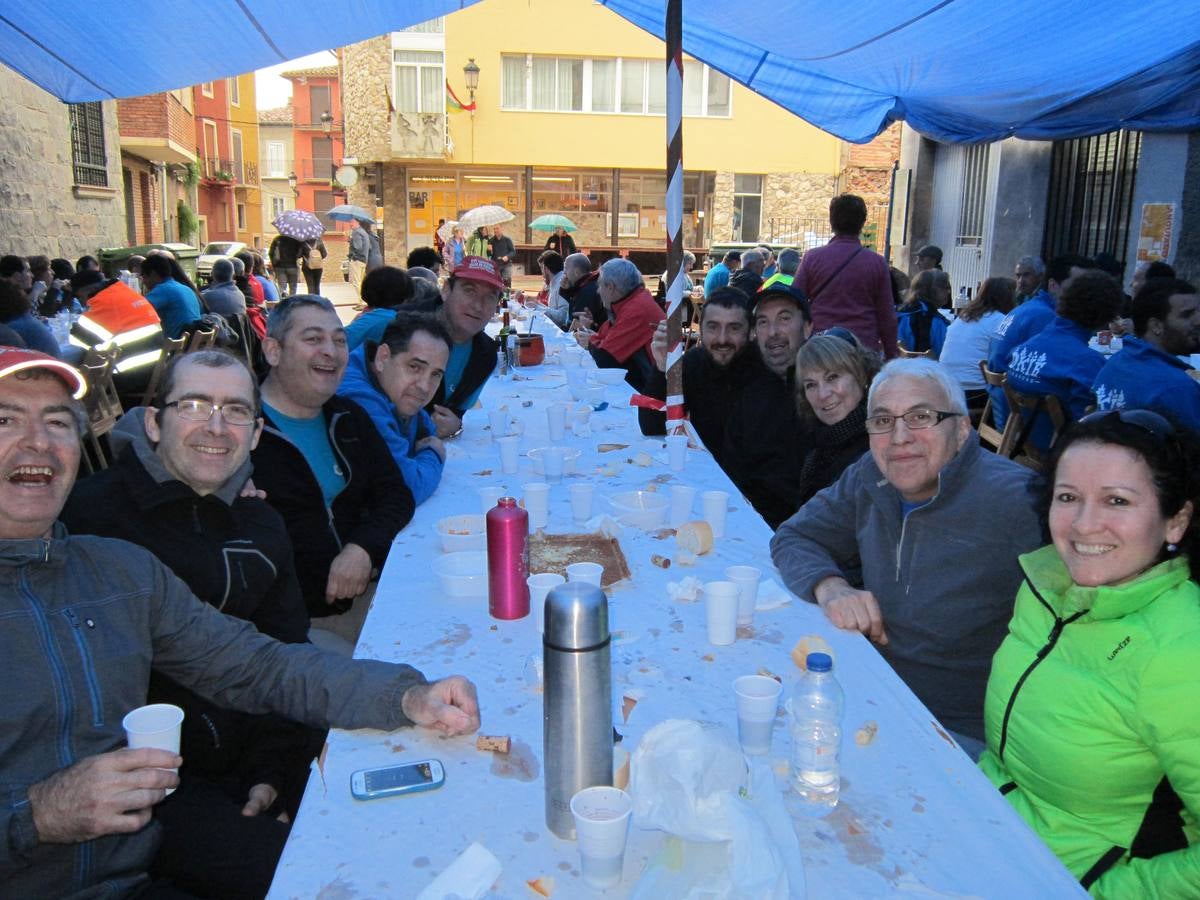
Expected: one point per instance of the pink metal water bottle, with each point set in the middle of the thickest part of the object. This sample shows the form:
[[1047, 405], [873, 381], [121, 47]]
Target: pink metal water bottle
[[508, 560]]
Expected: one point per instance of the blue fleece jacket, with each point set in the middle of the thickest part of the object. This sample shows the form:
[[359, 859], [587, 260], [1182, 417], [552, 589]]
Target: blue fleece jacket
[[1058, 362], [1141, 376], [422, 469], [1018, 326]]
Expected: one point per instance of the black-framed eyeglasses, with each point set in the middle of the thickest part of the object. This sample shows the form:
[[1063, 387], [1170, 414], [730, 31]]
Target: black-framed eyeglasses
[[195, 409], [914, 420], [1147, 421]]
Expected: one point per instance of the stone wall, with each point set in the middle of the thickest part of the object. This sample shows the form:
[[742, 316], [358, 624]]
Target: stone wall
[[721, 226], [366, 74], [787, 197], [41, 209]]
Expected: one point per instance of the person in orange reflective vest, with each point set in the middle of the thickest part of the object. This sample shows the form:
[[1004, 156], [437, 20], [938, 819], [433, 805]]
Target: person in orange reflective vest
[[117, 315]]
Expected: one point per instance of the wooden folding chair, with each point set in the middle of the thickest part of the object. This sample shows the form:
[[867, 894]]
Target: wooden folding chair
[[1027, 408], [913, 354], [171, 348], [201, 339], [102, 404], [999, 441]]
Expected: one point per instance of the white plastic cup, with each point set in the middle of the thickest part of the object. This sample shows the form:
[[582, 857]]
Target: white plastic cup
[[499, 420], [553, 460], [577, 381], [677, 447], [757, 698], [715, 504], [721, 608], [156, 726], [602, 817], [539, 586], [537, 504], [509, 461], [556, 419], [581, 501], [595, 395], [587, 572], [746, 578], [488, 496], [683, 498]]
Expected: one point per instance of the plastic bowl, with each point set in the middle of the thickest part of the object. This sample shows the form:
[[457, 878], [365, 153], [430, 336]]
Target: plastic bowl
[[570, 457], [463, 574], [641, 509], [462, 533], [609, 376]]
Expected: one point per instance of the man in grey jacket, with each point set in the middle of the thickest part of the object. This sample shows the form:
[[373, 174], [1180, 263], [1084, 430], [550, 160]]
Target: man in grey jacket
[[916, 545], [224, 297], [85, 620]]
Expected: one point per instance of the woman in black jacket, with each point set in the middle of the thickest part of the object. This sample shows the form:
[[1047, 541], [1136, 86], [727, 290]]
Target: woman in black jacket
[[833, 372]]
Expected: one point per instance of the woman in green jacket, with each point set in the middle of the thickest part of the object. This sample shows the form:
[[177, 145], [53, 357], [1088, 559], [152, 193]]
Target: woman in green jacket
[[1093, 704]]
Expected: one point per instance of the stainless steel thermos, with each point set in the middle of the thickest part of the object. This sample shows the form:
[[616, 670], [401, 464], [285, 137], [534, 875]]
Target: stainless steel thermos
[[577, 735]]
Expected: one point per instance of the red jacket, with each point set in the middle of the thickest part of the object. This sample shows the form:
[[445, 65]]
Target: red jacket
[[630, 327]]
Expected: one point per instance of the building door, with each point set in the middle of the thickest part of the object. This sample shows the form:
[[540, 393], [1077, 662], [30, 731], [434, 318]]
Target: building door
[[964, 202], [1091, 194], [322, 161], [130, 212]]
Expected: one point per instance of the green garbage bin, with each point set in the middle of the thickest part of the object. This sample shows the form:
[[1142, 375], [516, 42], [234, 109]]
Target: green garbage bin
[[113, 260]]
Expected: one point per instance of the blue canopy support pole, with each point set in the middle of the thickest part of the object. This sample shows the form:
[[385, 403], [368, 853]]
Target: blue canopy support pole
[[675, 273]]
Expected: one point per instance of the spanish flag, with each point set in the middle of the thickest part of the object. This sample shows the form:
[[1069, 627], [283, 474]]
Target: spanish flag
[[454, 104]]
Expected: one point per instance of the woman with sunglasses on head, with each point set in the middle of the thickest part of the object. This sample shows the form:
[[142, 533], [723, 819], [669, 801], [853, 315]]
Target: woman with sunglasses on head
[[833, 373], [1093, 704]]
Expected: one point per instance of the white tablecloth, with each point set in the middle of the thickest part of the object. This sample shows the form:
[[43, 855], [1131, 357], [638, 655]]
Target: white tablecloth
[[915, 818]]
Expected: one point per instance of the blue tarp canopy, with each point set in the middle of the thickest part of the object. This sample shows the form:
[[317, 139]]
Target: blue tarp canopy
[[956, 70]]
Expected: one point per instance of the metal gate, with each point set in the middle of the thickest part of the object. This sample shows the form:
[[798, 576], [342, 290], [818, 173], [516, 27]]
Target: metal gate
[[964, 203], [1091, 194]]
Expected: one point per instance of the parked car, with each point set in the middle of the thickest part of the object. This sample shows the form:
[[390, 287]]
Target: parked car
[[213, 251]]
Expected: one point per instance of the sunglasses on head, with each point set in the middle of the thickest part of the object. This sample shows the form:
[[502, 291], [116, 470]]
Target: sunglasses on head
[[1149, 422]]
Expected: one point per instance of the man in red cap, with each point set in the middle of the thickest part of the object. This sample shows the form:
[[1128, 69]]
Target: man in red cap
[[85, 620], [467, 304]]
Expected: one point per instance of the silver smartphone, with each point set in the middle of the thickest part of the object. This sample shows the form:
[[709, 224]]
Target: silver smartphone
[[406, 778]]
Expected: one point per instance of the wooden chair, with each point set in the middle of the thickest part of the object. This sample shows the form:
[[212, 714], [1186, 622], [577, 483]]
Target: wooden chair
[[201, 339], [999, 441], [102, 404], [1027, 409], [905, 353], [171, 348]]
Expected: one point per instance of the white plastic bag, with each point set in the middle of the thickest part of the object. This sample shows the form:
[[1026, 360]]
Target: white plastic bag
[[691, 780]]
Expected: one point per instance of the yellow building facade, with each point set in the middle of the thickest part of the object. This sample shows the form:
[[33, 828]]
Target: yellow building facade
[[569, 118], [243, 126]]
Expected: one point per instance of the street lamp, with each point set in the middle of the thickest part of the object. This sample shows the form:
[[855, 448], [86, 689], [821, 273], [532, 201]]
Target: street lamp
[[327, 121], [471, 74]]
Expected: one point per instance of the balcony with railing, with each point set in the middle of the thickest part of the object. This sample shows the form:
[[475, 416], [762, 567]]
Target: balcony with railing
[[315, 169], [417, 135], [217, 172]]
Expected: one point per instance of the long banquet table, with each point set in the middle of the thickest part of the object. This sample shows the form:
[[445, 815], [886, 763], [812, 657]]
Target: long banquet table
[[915, 818]]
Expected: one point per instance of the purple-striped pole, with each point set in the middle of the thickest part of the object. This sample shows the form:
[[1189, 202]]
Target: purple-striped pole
[[675, 273]]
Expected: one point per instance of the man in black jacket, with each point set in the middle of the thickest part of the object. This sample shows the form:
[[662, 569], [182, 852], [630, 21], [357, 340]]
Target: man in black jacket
[[765, 443], [467, 304], [581, 289], [715, 373], [175, 490], [324, 466]]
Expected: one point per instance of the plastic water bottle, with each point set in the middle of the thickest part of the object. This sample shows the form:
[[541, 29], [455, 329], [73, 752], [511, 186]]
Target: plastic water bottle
[[816, 708]]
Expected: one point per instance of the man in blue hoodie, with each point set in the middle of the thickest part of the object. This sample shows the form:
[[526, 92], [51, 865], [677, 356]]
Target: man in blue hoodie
[[392, 381], [1058, 361], [1147, 373], [1035, 313]]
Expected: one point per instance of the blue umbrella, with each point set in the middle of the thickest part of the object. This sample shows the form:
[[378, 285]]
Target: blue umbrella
[[299, 224], [344, 212]]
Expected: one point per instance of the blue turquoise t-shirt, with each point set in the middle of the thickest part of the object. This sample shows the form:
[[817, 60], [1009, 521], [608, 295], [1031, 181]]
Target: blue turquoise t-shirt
[[313, 440], [906, 507], [460, 355]]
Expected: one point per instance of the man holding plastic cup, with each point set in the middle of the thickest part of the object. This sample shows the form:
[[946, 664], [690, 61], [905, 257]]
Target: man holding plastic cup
[[85, 619]]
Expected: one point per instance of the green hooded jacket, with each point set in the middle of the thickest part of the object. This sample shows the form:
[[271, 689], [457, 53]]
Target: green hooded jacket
[[1093, 725]]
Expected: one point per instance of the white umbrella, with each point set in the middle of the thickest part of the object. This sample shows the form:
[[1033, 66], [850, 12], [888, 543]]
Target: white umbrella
[[444, 231], [482, 216]]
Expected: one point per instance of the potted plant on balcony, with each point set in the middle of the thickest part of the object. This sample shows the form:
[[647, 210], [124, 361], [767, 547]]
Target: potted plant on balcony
[[224, 175]]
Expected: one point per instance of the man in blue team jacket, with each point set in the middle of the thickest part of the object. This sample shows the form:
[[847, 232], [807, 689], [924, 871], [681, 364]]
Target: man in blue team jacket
[[1147, 373]]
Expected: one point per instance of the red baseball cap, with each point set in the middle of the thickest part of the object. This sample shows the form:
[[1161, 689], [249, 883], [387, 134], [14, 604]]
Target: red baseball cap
[[480, 268], [16, 359]]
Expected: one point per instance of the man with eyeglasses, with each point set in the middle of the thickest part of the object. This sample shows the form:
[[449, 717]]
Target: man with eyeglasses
[[175, 489], [916, 544]]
